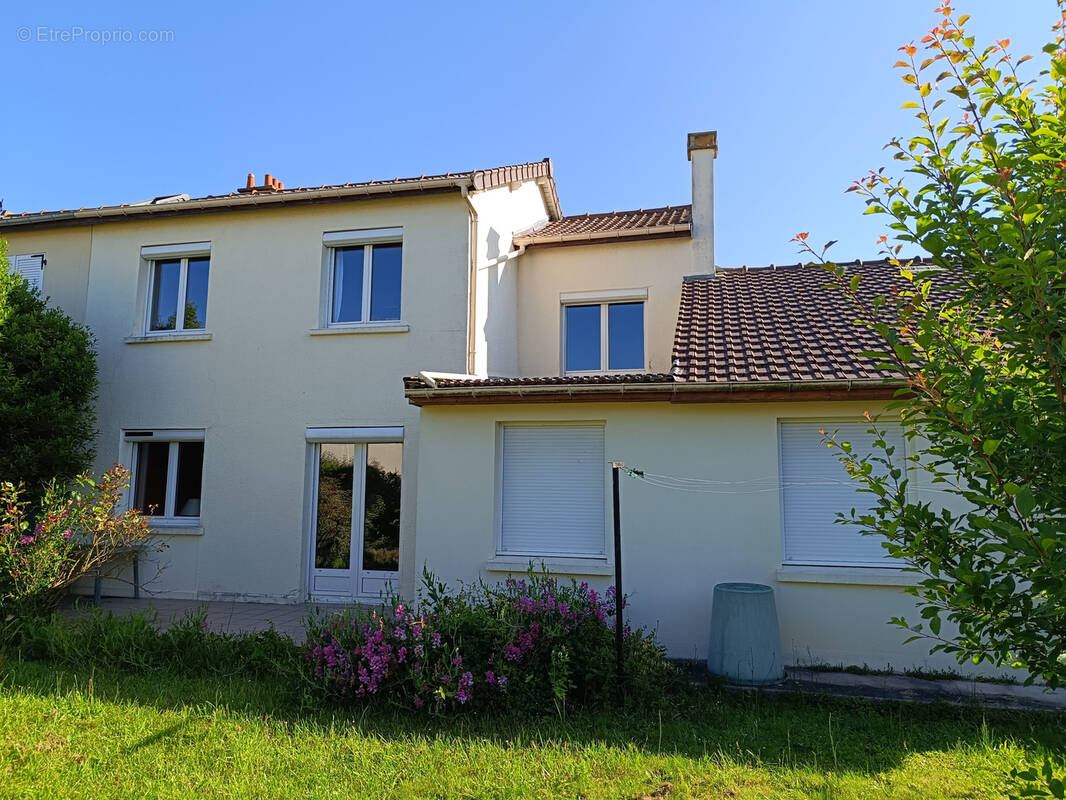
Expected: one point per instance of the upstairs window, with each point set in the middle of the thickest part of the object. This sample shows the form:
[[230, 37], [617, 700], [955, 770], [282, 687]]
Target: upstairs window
[[177, 287], [31, 268], [364, 276], [604, 336]]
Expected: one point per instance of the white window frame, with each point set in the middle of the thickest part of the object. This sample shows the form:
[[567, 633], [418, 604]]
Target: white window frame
[[603, 299], [829, 423], [173, 252], [360, 437], [366, 239], [172, 437], [602, 556]]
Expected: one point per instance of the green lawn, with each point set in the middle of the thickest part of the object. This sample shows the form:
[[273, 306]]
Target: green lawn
[[66, 734]]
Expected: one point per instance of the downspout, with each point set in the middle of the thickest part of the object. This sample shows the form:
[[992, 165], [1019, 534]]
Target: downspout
[[471, 293]]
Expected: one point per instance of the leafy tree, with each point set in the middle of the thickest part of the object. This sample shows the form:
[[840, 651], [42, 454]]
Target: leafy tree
[[47, 388], [192, 318], [979, 338]]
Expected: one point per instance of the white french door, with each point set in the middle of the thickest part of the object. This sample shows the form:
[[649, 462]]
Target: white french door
[[355, 519]]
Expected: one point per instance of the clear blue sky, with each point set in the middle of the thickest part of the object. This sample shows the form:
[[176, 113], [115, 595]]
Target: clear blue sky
[[802, 94]]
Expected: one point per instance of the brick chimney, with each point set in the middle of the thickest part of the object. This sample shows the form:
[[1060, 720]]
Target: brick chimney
[[702, 151]]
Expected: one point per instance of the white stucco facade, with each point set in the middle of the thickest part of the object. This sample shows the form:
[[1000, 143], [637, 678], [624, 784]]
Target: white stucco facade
[[267, 368], [546, 275], [676, 544]]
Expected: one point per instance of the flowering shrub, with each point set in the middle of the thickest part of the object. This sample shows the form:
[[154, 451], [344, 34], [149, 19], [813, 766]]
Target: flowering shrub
[[530, 644], [73, 532]]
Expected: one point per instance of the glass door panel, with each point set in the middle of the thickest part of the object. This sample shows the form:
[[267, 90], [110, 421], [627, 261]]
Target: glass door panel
[[381, 518], [333, 523], [356, 511]]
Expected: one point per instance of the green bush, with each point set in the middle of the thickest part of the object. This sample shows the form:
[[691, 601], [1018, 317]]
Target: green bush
[[135, 644], [531, 645], [1047, 779], [48, 384]]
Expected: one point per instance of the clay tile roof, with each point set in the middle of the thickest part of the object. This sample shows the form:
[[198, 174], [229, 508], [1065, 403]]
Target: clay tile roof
[[669, 220], [564, 380], [749, 329], [777, 324], [479, 180]]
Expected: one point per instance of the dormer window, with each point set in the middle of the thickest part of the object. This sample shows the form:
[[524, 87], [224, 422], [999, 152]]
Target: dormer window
[[603, 332]]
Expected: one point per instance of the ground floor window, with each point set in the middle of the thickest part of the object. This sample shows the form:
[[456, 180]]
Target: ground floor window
[[815, 488], [355, 511], [168, 468], [550, 492]]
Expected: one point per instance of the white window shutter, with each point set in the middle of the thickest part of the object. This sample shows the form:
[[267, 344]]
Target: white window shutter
[[552, 487], [815, 487], [31, 268]]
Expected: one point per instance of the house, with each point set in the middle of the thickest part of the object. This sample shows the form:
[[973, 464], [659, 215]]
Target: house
[[323, 389]]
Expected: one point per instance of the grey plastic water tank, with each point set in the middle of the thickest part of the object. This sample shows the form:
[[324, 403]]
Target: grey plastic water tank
[[745, 643]]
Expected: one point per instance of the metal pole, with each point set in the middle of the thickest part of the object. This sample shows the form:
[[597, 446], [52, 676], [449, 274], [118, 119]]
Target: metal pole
[[618, 653]]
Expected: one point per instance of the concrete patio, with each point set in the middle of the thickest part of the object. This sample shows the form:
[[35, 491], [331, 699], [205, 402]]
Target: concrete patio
[[223, 616]]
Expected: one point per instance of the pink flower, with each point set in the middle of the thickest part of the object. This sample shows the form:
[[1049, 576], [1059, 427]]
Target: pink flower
[[66, 533], [26, 540], [466, 682]]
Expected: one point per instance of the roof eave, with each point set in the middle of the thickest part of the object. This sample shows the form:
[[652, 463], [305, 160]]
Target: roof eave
[[236, 203], [677, 392], [541, 172], [650, 232]]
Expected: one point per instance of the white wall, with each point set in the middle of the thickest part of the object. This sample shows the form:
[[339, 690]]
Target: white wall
[[263, 378], [66, 274], [501, 213], [544, 273], [676, 545]]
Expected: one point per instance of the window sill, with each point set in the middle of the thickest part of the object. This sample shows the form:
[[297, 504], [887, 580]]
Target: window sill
[[368, 327], [171, 528], [858, 576], [180, 336], [554, 564]]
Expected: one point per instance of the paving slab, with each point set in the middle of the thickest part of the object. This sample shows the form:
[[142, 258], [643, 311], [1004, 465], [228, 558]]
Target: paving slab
[[902, 687]]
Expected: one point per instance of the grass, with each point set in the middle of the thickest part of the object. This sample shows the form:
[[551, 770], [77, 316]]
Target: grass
[[77, 734]]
